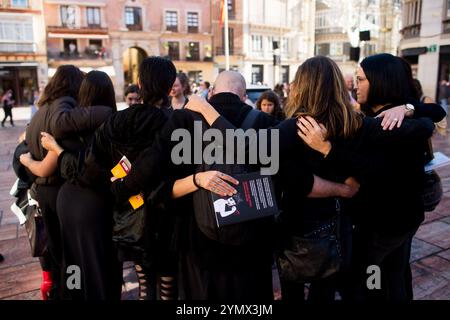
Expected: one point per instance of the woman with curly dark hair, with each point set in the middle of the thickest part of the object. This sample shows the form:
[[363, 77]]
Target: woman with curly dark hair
[[269, 102]]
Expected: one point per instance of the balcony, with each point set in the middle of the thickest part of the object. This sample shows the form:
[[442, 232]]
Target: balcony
[[411, 31], [93, 29], [220, 51], [330, 30], [15, 47], [99, 54]]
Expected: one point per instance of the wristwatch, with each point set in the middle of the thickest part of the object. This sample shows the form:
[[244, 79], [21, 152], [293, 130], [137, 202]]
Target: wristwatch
[[409, 107]]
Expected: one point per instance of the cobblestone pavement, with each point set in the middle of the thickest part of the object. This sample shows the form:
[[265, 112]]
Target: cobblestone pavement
[[20, 274]]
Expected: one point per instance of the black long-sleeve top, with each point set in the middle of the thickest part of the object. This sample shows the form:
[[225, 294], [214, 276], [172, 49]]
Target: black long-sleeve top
[[389, 166]]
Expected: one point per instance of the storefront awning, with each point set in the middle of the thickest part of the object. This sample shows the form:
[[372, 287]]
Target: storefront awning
[[414, 51], [77, 36], [19, 64]]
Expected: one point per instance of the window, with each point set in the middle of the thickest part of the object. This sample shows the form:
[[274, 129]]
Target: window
[[448, 9], [68, 16], [174, 50], [284, 74], [231, 6], [346, 49], [193, 53], [322, 49], [257, 45], [336, 49], [19, 3], [93, 17], [257, 73], [412, 12], [133, 18], [70, 47], [230, 40], [192, 22], [16, 36], [172, 21], [284, 45]]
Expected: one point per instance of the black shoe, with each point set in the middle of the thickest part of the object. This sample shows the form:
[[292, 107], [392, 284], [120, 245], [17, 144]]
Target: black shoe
[[1, 258], [3, 124]]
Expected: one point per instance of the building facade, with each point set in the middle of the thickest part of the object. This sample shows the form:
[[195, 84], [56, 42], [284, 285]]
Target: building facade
[[77, 33], [339, 23], [23, 59], [426, 41], [186, 37], [116, 35], [260, 30]]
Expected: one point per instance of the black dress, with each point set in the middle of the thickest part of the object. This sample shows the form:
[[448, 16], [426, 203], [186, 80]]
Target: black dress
[[86, 204]]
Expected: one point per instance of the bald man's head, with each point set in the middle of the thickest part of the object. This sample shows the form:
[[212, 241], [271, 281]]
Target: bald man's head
[[231, 81]]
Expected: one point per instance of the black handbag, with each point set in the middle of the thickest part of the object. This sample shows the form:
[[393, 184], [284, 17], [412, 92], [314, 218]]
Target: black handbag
[[432, 185], [128, 232], [432, 191], [35, 228], [318, 254]]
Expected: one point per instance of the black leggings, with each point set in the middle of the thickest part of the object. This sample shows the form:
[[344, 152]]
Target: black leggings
[[8, 113]]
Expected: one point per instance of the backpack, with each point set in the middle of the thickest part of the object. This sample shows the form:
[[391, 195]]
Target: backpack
[[235, 234]]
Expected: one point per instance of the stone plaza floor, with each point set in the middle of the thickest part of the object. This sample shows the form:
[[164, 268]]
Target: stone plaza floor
[[20, 274]]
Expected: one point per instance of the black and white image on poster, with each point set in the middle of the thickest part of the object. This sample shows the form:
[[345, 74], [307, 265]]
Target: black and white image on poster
[[255, 199]]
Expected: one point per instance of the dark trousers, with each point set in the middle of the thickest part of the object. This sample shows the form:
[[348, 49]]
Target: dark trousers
[[391, 253], [8, 113], [46, 196]]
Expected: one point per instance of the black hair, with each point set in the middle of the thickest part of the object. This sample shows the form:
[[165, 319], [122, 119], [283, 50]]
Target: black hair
[[156, 76], [388, 78], [97, 89], [207, 84], [132, 88]]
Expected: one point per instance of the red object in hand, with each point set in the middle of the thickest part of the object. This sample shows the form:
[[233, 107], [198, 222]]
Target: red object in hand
[[46, 284]]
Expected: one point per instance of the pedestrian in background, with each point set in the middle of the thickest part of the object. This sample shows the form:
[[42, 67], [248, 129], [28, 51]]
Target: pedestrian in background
[[8, 104], [180, 92], [444, 94]]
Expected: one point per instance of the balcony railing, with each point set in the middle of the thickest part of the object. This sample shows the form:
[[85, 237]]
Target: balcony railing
[[78, 29], [86, 55], [220, 51], [329, 30], [17, 47], [411, 31]]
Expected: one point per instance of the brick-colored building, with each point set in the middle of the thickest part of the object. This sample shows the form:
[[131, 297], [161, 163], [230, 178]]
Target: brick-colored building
[[186, 36], [77, 33], [23, 59]]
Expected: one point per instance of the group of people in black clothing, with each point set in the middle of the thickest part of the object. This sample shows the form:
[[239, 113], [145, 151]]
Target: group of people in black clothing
[[370, 164]]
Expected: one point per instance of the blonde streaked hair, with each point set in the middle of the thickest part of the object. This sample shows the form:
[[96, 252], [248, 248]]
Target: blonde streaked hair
[[319, 91]]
